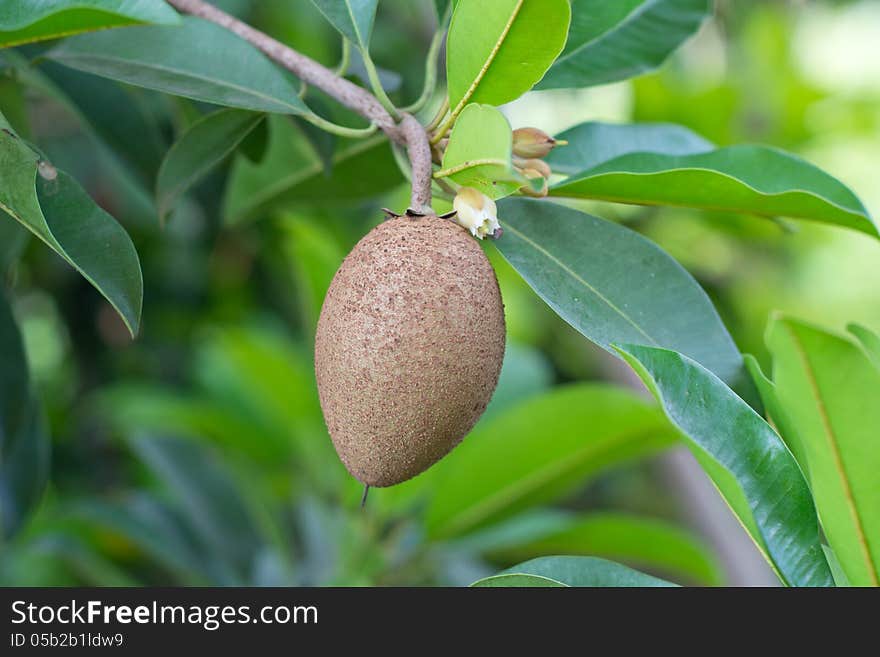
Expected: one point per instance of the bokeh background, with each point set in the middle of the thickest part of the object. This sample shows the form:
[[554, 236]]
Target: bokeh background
[[197, 454]]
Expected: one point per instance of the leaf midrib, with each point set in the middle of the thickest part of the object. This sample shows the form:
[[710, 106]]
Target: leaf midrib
[[833, 443], [581, 280], [489, 60]]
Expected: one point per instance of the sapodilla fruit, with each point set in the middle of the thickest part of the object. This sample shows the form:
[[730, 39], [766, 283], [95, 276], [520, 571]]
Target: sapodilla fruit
[[408, 348]]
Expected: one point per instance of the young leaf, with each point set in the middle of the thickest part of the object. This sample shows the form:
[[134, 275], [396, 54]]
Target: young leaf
[[613, 285], [570, 571], [353, 18], [751, 179], [479, 152], [205, 145], [744, 457], [292, 171], [611, 41], [60, 213], [590, 144], [35, 20], [831, 393], [498, 50], [508, 464], [24, 441], [196, 59]]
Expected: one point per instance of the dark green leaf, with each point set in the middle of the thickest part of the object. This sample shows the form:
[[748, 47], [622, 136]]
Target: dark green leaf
[[611, 41], [507, 463], [35, 20], [24, 441], [205, 145], [197, 59], [744, 457], [752, 179], [571, 571], [591, 144], [61, 214], [613, 285]]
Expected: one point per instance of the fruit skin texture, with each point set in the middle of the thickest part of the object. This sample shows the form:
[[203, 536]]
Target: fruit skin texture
[[408, 348]]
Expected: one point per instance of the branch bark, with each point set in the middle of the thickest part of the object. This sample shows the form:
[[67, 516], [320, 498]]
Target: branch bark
[[409, 132]]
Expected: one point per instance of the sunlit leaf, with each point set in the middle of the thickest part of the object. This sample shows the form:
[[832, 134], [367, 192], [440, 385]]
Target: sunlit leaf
[[498, 50], [831, 393]]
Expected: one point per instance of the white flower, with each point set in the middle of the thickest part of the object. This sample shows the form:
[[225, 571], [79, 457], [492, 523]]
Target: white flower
[[476, 212]]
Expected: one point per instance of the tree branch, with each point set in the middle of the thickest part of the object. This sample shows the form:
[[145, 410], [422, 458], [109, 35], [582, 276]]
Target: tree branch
[[408, 132]]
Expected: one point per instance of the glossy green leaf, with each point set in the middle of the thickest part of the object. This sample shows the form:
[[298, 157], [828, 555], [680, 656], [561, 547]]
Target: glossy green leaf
[[571, 571], [869, 340], [61, 214], [611, 41], [479, 152], [744, 457], [831, 393], [24, 440], [751, 179], [292, 172], [498, 50], [510, 463], [353, 18], [198, 60], [613, 285], [645, 542], [205, 145], [36, 20], [590, 144], [840, 578]]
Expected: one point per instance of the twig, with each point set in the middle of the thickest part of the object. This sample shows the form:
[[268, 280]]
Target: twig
[[408, 132]]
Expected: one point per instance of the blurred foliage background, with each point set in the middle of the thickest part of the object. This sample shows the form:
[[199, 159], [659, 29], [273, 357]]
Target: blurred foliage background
[[197, 454]]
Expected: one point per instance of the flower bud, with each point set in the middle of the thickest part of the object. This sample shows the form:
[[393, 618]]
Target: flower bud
[[531, 143], [476, 212], [533, 168]]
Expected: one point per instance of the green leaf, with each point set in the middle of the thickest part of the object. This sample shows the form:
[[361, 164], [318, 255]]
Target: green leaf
[[13, 239], [205, 145], [744, 457], [831, 393], [61, 214], [571, 571], [36, 20], [751, 179], [840, 578], [353, 18], [479, 152], [292, 172], [498, 50], [869, 340], [507, 463], [590, 144], [198, 60], [24, 440], [646, 542], [613, 285], [611, 41]]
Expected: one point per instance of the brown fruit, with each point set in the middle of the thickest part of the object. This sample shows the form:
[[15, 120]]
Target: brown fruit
[[408, 348]]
